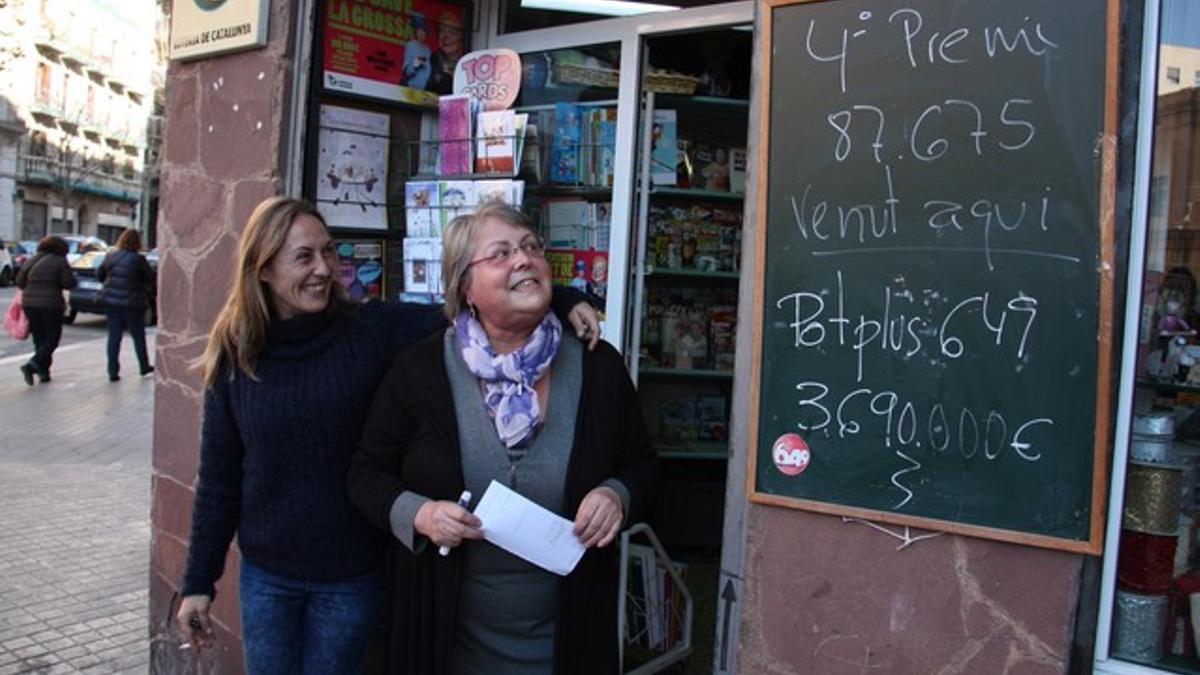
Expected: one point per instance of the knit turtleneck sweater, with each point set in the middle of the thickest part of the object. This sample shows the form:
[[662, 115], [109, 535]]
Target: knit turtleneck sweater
[[274, 452]]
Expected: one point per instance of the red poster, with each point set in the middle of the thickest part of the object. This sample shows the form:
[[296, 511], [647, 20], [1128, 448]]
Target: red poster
[[395, 50]]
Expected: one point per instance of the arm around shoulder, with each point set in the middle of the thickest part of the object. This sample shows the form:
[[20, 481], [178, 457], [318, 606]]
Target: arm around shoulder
[[373, 481]]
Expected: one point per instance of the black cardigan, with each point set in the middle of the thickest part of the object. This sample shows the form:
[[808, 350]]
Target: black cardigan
[[410, 442]]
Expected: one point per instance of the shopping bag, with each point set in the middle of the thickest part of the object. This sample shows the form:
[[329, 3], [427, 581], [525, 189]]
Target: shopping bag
[[15, 321]]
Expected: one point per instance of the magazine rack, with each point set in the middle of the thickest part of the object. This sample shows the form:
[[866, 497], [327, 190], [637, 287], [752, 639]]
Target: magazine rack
[[654, 606]]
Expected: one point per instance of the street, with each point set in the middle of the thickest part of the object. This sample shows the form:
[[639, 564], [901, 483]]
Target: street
[[75, 494]]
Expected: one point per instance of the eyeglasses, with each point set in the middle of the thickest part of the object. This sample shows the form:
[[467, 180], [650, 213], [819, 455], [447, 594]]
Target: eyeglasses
[[533, 248]]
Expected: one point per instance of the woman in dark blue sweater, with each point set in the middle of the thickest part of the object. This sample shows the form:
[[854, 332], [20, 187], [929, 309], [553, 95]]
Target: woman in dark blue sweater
[[290, 370], [127, 280]]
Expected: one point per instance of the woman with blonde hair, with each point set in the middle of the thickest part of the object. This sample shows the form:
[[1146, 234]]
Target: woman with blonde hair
[[289, 372], [127, 280], [483, 413]]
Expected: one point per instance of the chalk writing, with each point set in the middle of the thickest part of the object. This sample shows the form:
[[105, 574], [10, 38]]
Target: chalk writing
[[930, 289]]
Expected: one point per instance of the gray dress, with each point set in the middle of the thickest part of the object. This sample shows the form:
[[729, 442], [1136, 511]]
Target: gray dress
[[506, 606]]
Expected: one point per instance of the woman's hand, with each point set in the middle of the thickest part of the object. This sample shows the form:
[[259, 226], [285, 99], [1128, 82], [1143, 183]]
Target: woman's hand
[[586, 321], [446, 523], [599, 517], [194, 622]]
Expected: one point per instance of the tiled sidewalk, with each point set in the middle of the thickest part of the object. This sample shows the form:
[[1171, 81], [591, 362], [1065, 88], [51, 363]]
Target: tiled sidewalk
[[74, 517]]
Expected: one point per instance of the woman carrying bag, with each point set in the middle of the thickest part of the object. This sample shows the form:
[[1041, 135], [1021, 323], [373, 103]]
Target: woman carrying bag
[[42, 280]]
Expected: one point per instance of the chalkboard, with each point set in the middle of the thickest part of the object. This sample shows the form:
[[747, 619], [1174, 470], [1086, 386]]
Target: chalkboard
[[934, 295]]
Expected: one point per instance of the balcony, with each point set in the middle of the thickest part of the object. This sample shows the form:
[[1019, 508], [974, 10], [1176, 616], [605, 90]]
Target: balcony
[[53, 173]]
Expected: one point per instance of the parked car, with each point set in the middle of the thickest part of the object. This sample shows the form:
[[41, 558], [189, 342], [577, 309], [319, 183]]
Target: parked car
[[87, 298], [78, 245], [8, 271], [20, 251]]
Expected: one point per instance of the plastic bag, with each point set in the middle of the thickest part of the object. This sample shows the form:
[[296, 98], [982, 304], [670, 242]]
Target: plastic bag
[[15, 321]]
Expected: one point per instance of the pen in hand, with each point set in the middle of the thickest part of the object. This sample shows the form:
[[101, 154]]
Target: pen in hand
[[463, 500]]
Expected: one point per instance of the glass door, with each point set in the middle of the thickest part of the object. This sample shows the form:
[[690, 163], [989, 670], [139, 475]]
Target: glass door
[[570, 98], [1150, 594]]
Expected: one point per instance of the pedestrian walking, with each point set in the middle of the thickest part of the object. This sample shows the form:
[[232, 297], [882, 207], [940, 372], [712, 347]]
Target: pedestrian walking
[[289, 372], [42, 280], [127, 280]]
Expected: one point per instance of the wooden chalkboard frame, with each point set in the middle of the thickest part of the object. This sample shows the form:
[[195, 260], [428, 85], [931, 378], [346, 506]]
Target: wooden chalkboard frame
[[1093, 545]]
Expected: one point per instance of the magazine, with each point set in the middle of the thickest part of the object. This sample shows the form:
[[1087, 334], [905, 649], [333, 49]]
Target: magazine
[[564, 164], [663, 148]]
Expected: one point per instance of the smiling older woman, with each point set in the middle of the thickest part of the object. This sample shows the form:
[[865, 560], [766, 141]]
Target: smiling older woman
[[503, 397], [290, 368]]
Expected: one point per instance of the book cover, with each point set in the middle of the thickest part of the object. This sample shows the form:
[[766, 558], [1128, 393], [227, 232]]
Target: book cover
[[352, 168], [567, 223], [663, 148], [454, 134], [455, 198], [564, 164], [421, 211], [562, 266], [495, 148], [601, 225], [712, 418], [738, 161], [360, 267], [607, 151], [710, 164], [677, 420]]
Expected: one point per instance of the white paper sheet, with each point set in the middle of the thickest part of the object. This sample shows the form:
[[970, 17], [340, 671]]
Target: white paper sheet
[[528, 531]]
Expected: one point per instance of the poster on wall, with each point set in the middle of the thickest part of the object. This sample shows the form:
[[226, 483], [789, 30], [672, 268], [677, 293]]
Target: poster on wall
[[207, 27], [361, 268], [400, 52], [352, 166]]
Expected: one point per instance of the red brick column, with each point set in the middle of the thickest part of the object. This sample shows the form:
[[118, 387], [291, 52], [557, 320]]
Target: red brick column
[[228, 122]]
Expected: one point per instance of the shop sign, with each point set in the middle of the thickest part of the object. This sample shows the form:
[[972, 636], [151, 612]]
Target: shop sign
[[402, 51], [207, 27], [490, 76]]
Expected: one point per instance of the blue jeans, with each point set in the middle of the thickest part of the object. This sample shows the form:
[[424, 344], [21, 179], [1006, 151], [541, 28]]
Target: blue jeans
[[121, 319], [293, 627]]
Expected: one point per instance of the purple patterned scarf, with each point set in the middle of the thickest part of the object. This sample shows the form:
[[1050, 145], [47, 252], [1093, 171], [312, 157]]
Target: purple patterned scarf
[[508, 379]]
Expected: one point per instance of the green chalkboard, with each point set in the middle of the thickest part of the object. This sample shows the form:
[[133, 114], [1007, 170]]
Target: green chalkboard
[[935, 266]]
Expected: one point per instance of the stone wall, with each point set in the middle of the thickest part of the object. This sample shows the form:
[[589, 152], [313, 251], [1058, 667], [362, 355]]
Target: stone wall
[[834, 597], [227, 127]]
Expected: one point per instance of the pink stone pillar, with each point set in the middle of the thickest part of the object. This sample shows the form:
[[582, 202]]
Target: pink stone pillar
[[824, 595], [227, 129]]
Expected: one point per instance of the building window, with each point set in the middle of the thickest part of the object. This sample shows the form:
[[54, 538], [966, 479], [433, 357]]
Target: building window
[[43, 83], [1172, 74]]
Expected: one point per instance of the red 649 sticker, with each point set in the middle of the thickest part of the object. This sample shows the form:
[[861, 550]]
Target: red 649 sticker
[[791, 454]]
